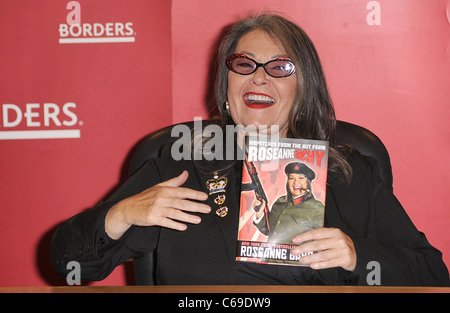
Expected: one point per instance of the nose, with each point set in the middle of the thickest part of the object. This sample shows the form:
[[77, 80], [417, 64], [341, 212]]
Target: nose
[[260, 77]]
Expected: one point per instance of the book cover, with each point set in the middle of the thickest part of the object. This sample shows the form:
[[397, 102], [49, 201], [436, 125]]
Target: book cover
[[282, 195]]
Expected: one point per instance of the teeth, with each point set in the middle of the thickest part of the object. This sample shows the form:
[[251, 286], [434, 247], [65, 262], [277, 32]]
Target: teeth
[[259, 98]]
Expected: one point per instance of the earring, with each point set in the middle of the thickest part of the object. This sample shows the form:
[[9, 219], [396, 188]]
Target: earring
[[227, 108]]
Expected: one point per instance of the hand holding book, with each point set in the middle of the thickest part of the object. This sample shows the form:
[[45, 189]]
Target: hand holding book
[[333, 248]]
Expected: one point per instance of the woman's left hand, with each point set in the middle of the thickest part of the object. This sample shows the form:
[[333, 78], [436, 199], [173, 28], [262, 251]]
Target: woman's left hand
[[332, 247]]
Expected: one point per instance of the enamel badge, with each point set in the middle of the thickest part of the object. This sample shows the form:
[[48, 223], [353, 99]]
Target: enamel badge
[[216, 185], [222, 211], [220, 199]]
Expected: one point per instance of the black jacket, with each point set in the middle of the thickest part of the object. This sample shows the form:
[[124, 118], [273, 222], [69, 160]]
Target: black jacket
[[204, 254]]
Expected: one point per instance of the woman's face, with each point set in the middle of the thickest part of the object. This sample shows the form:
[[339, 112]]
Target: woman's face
[[298, 184], [259, 99]]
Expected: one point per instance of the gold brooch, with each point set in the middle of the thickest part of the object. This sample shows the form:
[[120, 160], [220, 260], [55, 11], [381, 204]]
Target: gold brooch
[[222, 211], [220, 199], [216, 185]]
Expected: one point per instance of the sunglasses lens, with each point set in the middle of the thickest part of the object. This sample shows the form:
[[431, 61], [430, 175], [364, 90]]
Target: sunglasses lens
[[242, 65], [280, 68]]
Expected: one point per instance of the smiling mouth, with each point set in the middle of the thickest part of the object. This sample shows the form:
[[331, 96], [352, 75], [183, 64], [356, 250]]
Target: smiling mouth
[[300, 188], [257, 100]]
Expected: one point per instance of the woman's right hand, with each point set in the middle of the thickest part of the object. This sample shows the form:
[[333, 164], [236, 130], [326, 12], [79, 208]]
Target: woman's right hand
[[164, 204], [257, 205]]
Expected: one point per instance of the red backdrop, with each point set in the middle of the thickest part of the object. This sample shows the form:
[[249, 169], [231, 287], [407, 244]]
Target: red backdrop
[[386, 62]]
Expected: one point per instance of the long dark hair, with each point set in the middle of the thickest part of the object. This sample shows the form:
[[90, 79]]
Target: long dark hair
[[312, 115]]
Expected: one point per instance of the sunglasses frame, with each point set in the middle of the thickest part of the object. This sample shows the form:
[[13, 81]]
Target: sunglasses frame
[[263, 65]]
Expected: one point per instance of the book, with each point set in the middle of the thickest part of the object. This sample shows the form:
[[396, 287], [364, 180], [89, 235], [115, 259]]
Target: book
[[282, 195]]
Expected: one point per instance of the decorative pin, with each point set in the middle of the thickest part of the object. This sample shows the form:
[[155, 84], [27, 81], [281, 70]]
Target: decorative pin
[[222, 211], [216, 184], [220, 199]]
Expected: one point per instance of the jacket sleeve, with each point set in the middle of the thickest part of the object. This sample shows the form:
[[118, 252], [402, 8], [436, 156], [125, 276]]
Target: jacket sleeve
[[391, 251], [83, 239]]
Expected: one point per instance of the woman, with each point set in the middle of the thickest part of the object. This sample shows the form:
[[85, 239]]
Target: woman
[[293, 213], [269, 74]]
